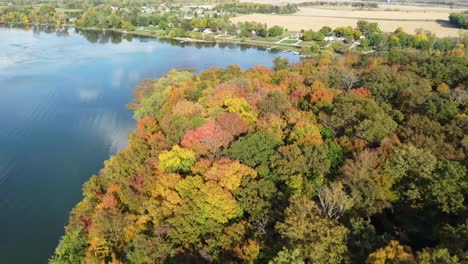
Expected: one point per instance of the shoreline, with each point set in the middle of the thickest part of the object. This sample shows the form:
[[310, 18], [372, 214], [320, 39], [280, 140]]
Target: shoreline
[[252, 43], [248, 42]]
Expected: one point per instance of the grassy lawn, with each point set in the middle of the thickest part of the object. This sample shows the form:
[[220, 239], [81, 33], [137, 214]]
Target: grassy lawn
[[148, 28], [197, 35], [273, 39], [309, 43], [267, 39], [289, 41]]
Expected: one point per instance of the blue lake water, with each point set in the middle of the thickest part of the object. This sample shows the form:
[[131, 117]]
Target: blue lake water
[[62, 113]]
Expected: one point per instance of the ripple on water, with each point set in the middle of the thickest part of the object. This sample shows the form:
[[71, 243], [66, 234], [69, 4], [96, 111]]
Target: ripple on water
[[6, 165], [44, 105]]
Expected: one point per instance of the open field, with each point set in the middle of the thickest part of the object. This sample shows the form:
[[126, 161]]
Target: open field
[[421, 8], [435, 20], [420, 3], [411, 14]]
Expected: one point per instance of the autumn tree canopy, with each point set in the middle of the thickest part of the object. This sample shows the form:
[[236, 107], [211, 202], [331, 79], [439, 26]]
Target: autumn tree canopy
[[360, 158]]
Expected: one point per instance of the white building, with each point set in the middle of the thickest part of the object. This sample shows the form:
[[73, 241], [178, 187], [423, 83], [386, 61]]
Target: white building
[[296, 35], [147, 10]]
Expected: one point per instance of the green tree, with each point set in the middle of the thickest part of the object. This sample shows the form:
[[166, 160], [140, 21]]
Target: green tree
[[377, 40], [72, 247], [370, 186], [255, 198], [152, 105], [280, 63], [143, 20], [320, 240], [394, 42], [145, 249], [367, 28], [422, 181], [294, 162], [47, 10], [308, 35], [254, 149], [326, 30], [286, 256], [459, 19], [274, 103], [362, 117], [275, 31], [453, 237], [346, 32], [436, 256], [363, 239]]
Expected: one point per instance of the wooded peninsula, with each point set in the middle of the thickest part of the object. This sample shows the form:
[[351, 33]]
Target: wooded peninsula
[[354, 158]]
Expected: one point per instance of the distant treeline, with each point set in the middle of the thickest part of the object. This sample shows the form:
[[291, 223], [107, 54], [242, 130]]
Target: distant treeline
[[44, 13], [353, 4], [248, 8], [459, 19]]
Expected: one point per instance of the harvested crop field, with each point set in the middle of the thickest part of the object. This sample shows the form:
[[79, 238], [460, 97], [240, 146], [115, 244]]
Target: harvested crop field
[[375, 14], [314, 18]]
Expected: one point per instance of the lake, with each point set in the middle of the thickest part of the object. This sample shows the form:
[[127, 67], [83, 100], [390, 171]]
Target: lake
[[62, 113]]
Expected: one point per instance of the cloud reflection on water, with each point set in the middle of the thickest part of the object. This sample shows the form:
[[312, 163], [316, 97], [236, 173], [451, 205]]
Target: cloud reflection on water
[[113, 129], [88, 95], [117, 77]]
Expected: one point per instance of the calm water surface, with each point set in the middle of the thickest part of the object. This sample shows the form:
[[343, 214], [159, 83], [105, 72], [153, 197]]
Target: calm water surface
[[62, 113]]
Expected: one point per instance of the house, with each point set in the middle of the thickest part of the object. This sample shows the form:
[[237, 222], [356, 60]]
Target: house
[[207, 30], [147, 10], [330, 38], [185, 9], [163, 8], [199, 11], [296, 36]]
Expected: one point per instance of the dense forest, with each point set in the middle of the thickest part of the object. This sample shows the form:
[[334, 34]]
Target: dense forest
[[354, 158]]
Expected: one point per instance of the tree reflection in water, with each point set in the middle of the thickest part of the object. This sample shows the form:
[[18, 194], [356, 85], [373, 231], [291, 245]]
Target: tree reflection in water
[[110, 36]]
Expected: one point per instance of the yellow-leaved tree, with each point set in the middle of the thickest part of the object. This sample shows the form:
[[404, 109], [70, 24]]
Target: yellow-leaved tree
[[177, 159]]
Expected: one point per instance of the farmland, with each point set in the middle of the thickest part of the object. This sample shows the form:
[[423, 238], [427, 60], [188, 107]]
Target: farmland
[[409, 18]]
